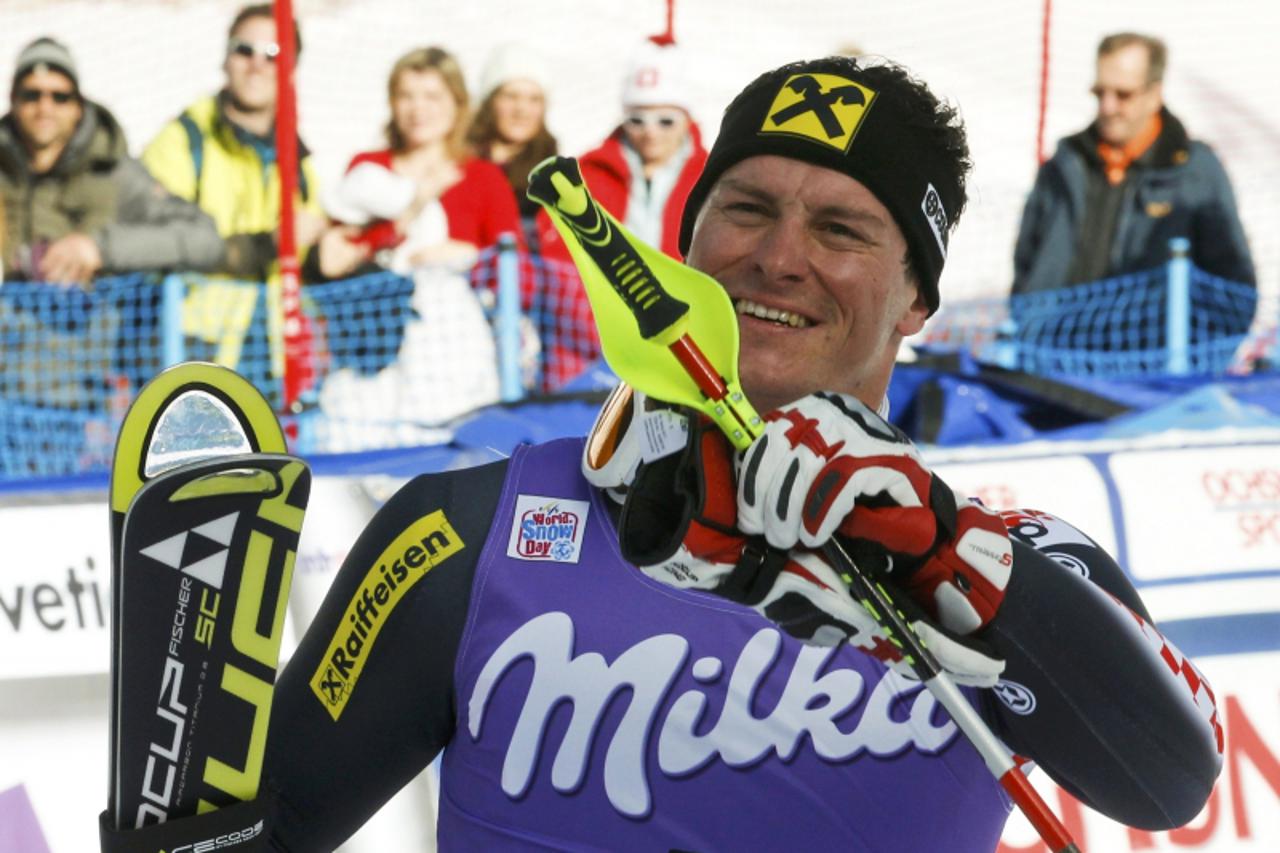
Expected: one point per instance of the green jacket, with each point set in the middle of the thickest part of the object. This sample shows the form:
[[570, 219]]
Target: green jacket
[[233, 176], [96, 188]]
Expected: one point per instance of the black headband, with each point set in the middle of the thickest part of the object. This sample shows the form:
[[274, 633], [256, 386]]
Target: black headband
[[823, 113]]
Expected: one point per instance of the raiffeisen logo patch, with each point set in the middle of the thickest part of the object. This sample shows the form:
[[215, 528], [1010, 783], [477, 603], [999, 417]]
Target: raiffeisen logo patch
[[823, 108], [427, 543], [548, 529]]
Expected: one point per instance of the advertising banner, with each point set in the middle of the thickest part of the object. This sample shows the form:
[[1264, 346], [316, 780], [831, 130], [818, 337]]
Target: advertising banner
[[1071, 487], [1200, 511], [55, 578]]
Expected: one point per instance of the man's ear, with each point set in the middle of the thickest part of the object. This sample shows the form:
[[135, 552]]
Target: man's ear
[[914, 317]]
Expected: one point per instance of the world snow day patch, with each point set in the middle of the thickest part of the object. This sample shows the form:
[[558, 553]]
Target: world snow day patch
[[548, 529]]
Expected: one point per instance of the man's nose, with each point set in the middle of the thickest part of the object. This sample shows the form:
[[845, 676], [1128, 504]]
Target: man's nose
[[782, 253]]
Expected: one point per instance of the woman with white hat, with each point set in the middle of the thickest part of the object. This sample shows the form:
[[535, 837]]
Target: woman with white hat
[[510, 126]]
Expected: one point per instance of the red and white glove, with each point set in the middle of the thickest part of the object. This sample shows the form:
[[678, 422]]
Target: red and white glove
[[827, 463], [796, 590]]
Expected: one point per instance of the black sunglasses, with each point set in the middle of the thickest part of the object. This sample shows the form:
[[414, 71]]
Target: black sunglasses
[[268, 50], [31, 96]]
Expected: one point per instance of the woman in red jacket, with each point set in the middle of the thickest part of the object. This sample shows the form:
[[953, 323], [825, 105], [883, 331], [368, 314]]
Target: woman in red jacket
[[643, 172], [427, 160], [424, 206]]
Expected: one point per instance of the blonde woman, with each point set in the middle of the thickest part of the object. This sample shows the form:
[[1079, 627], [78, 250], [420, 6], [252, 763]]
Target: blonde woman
[[425, 206]]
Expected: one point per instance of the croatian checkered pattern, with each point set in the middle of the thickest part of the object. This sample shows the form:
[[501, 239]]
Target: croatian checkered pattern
[[1182, 668], [552, 295], [1041, 530]]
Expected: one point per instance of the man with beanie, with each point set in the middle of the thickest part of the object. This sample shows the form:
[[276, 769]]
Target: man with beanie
[[1113, 195], [643, 172], [619, 649], [76, 204]]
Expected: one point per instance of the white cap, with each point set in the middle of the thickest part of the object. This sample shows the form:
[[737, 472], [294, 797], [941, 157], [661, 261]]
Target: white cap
[[513, 61], [655, 78]]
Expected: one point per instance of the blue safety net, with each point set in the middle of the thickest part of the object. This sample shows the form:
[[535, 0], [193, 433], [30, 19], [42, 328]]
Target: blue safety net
[[1119, 327], [70, 361], [387, 360], [391, 360]]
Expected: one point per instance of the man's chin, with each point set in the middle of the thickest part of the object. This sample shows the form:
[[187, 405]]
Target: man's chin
[[769, 389], [254, 102], [1111, 136]]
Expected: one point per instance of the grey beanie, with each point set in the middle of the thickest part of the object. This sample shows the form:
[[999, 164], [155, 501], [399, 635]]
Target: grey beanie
[[49, 53]]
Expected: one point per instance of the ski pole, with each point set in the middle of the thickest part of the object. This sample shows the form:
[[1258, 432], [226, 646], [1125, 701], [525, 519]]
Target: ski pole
[[647, 333]]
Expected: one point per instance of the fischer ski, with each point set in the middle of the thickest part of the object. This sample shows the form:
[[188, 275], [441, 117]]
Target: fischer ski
[[206, 511]]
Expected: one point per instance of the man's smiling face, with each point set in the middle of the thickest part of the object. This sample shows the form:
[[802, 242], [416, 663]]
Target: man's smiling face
[[815, 266]]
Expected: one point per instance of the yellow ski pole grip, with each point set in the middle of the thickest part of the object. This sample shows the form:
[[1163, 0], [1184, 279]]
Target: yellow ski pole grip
[[556, 183]]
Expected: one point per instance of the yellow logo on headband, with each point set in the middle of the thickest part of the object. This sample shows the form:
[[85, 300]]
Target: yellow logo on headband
[[822, 107]]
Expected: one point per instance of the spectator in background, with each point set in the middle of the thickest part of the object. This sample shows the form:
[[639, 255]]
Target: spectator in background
[[425, 200], [643, 172], [76, 204], [221, 152], [423, 206], [510, 126], [1114, 194]]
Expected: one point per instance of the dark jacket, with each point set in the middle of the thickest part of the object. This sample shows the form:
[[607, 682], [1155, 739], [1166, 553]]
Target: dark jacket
[[1178, 188], [96, 188]]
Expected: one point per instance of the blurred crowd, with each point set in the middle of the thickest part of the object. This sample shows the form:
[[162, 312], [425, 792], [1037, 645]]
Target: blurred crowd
[[205, 195]]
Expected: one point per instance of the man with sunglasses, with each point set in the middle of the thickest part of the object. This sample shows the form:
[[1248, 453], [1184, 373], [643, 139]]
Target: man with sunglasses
[[1113, 195], [76, 203], [643, 172], [221, 152]]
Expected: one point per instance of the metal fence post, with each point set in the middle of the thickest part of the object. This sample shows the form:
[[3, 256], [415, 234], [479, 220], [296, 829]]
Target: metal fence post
[[171, 339], [507, 319], [1178, 307], [1004, 349]]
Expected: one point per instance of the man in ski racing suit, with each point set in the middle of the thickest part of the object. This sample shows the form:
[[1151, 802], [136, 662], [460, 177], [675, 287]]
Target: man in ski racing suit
[[730, 695]]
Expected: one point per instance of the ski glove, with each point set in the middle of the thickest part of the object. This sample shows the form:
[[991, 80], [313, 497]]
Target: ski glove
[[679, 524], [828, 464]]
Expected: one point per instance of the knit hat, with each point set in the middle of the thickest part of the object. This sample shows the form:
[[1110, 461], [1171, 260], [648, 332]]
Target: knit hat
[[829, 112], [513, 62], [655, 78], [46, 52]]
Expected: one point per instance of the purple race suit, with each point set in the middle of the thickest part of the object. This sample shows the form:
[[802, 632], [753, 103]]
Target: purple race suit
[[601, 710]]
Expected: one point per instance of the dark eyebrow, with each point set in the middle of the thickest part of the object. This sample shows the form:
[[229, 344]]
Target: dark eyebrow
[[835, 211], [746, 189]]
